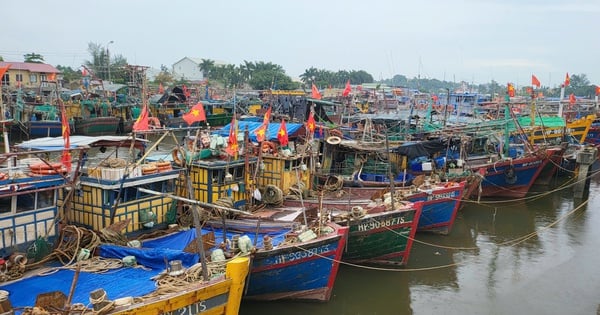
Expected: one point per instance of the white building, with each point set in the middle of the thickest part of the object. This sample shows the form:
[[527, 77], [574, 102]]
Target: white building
[[189, 68]]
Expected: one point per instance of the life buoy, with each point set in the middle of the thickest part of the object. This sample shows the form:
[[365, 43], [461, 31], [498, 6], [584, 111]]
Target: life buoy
[[154, 122], [149, 169], [44, 166], [39, 172], [164, 166], [178, 157], [3, 176], [334, 140], [268, 147]]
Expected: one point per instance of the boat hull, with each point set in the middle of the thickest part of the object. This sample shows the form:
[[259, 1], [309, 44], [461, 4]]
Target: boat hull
[[440, 205], [382, 238], [98, 126], [510, 178], [304, 272]]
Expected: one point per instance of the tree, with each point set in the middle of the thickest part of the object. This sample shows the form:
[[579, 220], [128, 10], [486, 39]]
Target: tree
[[33, 58], [206, 66], [71, 77], [1, 59], [99, 64], [164, 77]]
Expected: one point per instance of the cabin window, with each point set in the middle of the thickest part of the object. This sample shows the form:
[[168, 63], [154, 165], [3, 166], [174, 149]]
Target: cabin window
[[169, 186], [19, 77], [25, 202], [6, 79], [287, 166], [108, 197], [45, 199], [33, 78], [238, 173], [5, 204], [217, 176]]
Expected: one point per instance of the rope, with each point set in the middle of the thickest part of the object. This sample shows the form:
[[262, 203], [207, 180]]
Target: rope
[[333, 183], [510, 243]]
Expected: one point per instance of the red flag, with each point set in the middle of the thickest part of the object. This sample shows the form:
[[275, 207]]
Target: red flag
[[2, 72], [315, 92], [310, 123], [282, 134], [567, 80], [511, 90], [232, 143], [597, 90], [572, 99], [141, 123], [66, 133], [195, 114], [84, 72], [267, 117], [161, 89], [347, 90], [261, 132], [535, 81]]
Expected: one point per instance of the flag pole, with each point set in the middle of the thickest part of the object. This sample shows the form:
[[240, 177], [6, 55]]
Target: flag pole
[[560, 102]]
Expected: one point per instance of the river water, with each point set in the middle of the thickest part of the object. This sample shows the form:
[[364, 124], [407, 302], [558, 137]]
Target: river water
[[534, 256]]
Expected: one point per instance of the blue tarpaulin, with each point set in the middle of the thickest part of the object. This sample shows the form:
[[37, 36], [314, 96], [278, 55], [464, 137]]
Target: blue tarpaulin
[[252, 126]]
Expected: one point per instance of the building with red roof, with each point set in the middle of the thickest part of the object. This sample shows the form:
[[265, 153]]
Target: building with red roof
[[28, 74]]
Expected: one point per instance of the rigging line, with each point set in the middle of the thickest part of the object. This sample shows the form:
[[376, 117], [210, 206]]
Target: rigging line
[[381, 268], [568, 184], [543, 228], [510, 243]]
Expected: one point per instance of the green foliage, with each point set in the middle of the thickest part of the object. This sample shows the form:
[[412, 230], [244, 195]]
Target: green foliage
[[164, 76], [99, 64], [33, 58], [338, 79], [70, 76]]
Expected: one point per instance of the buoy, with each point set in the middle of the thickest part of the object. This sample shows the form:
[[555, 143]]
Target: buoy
[[333, 140], [177, 157]]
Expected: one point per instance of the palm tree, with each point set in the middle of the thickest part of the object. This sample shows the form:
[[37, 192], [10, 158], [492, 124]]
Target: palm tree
[[206, 66]]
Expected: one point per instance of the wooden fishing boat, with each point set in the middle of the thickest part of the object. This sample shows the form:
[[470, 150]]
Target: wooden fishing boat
[[28, 204], [96, 126], [378, 234], [108, 192], [295, 263], [180, 289]]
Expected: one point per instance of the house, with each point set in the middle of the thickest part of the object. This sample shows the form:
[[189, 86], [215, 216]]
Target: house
[[28, 74], [189, 69]]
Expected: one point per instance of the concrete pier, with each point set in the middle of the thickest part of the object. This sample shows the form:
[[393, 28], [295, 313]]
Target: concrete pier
[[585, 159]]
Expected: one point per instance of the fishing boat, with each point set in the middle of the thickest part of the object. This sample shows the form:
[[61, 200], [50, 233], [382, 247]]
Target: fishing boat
[[354, 174], [29, 189], [107, 191], [168, 282], [288, 261], [380, 234]]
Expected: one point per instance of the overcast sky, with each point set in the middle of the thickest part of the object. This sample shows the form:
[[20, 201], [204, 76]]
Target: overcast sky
[[470, 40]]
